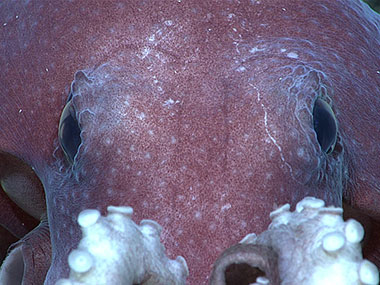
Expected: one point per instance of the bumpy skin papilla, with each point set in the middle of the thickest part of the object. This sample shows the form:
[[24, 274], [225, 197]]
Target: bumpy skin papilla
[[114, 250]]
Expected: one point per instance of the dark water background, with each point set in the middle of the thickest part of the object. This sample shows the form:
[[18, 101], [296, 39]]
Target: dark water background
[[374, 4]]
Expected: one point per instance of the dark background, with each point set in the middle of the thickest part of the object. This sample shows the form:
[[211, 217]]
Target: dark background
[[374, 4]]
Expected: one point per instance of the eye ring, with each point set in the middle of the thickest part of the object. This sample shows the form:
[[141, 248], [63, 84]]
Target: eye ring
[[325, 125], [69, 131]]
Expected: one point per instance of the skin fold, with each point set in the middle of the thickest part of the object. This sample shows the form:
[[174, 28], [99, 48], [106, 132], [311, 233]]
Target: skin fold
[[197, 114]]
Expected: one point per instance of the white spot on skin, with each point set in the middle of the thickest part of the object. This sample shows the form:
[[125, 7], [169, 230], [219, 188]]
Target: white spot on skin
[[168, 22], [256, 49], [141, 116], [183, 168], [173, 140], [150, 132], [147, 155], [181, 197], [225, 207], [170, 102], [145, 52], [198, 215], [241, 69], [292, 55], [300, 152], [283, 50]]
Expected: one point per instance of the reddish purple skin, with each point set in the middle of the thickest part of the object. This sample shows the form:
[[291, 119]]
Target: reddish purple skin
[[217, 130]]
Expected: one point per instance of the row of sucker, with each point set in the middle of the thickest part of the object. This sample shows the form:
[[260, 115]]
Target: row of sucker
[[114, 250], [316, 246]]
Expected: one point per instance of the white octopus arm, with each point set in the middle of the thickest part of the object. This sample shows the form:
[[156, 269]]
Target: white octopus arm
[[136, 256], [312, 245]]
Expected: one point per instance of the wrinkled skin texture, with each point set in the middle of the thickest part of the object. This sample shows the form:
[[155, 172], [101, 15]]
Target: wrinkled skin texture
[[198, 114]]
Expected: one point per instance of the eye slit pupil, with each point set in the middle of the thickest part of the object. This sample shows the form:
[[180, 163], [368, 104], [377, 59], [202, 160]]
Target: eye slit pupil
[[69, 132], [325, 126]]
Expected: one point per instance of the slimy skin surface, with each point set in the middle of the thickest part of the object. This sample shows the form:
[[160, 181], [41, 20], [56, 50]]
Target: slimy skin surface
[[199, 115]]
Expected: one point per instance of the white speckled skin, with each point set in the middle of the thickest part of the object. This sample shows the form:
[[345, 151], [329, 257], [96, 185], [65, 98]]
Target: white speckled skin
[[198, 114]]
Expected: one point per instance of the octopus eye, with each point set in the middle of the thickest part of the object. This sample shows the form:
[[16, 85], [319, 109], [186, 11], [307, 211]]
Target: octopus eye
[[325, 125], [69, 131]]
